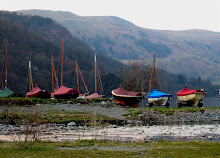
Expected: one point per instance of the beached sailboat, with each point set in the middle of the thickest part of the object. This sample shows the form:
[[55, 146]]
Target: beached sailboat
[[38, 93], [156, 97], [61, 92], [187, 97], [96, 95], [127, 98], [5, 92], [35, 92]]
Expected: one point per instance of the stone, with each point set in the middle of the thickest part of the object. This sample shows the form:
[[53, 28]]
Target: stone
[[81, 127], [70, 102], [71, 124]]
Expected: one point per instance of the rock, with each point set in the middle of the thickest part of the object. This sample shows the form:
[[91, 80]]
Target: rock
[[70, 102], [130, 121], [78, 104], [81, 128], [130, 125], [114, 126], [103, 103], [71, 124], [138, 123], [141, 115], [73, 128]]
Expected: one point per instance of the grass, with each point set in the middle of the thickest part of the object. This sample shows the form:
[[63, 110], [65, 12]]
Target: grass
[[75, 116], [94, 148], [134, 112], [32, 101], [13, 116]]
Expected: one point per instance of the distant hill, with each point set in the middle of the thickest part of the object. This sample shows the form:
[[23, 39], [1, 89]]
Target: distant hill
[[191, 52], [34, 38]]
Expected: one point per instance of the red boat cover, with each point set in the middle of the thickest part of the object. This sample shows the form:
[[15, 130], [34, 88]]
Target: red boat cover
[[121, 91], [64, 90], [187, 91], [34, 92], [93, 96]]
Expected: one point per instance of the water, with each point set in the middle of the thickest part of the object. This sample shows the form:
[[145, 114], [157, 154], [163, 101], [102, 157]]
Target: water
[[207, 102]]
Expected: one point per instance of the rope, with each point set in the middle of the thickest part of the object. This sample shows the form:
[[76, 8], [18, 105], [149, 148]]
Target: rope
[[100, 81], [82, 78]]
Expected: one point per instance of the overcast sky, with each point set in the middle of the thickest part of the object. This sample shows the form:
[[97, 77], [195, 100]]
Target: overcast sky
[[153, 14]]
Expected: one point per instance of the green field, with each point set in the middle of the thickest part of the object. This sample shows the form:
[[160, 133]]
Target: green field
[[92, 148]]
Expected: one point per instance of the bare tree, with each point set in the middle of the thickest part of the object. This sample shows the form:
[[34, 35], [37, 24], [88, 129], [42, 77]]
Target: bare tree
[[135, 77]]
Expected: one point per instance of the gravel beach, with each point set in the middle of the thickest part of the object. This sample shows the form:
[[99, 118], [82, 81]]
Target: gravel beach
[[148, 126]]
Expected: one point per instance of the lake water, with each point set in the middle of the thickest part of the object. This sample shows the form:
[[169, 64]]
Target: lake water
[[207, 102]]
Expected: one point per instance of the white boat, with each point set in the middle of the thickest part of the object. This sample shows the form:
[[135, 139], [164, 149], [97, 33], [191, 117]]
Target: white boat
[[187, 97], [156, 97]]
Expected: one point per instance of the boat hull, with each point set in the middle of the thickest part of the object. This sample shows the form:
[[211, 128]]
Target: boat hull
[[161, 101], [66, 96], [192, 99], [131, 101]]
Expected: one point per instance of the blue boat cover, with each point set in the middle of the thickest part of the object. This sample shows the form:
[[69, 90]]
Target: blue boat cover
[[158, 94]]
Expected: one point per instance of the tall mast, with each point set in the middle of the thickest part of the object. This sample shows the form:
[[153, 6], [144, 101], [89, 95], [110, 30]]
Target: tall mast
[[4, 70], [30, 77], [62, 61], [95, 76], [77, 75], [52, 72], [154, 71], [6, 73]]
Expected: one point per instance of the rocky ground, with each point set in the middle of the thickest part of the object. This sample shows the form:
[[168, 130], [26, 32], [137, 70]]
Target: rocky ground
[[104, 108], [147, 126]]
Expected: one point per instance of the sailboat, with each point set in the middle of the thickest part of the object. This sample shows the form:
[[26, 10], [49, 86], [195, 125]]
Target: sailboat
[[187, 97], [35, 92], [156, 97], [62, 92], [96, 95], [5, 92], [127, 98]]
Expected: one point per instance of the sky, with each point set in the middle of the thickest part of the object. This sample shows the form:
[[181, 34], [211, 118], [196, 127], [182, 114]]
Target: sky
[[151, 14]]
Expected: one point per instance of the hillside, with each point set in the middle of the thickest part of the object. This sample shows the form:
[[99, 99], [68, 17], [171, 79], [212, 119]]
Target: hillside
[[35, 38], [191, 52]]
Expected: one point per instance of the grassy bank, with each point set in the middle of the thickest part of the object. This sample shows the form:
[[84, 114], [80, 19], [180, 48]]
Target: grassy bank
[[134, 112], [33, 101], [13, 116], [92, 148]]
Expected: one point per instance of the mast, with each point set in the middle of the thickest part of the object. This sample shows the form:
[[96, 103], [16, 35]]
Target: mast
[[4, 70], [6, 73], [52, 72], [154, 71], [95, 76], [77, 75], [30, 77], [62, 61]]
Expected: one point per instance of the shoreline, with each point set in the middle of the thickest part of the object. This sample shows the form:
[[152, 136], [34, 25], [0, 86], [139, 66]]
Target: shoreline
[[129, 124]]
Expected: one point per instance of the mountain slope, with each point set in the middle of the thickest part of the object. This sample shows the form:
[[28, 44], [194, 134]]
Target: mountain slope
[[35, 38], [192, 52]]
